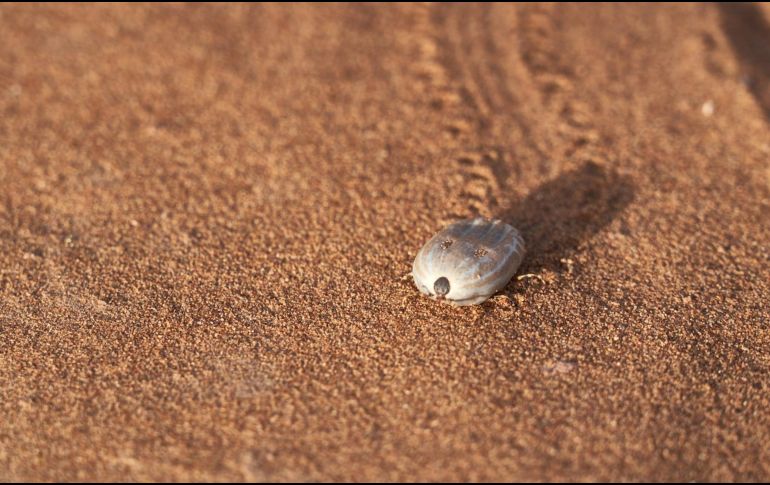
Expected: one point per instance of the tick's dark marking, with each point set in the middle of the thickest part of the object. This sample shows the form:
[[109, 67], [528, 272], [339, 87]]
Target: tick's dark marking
[[441, 286]]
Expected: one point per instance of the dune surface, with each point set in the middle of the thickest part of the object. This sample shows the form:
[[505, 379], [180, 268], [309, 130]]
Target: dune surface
[[208, 216]]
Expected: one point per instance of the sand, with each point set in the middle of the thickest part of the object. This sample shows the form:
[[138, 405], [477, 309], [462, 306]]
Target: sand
[[208, 215]]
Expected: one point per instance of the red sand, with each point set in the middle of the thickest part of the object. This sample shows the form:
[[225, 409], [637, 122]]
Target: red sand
[[207, 214]]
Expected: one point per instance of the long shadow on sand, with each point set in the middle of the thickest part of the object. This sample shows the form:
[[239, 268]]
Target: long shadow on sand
[[749, 33], [562, 213]]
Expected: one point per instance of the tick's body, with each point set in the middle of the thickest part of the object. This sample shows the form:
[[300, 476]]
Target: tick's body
[[468, 261]]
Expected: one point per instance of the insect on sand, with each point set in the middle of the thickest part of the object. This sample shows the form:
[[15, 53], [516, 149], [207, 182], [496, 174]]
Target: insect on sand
[[468, 261]]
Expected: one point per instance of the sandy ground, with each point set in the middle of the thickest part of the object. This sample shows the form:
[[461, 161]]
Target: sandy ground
[[207, 215]]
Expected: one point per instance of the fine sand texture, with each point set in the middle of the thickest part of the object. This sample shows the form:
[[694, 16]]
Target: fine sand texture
[[208, 216]]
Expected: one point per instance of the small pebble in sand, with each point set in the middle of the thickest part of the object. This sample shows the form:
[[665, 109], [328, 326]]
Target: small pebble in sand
[[468, 261], [558, 367], [707, 109]]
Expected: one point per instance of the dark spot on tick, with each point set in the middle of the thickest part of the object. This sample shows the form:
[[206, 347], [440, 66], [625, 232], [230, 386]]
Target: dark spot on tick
[[441, 286], [446, 244]]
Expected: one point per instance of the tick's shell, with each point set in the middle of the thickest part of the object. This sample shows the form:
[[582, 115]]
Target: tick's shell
[[468, 261]]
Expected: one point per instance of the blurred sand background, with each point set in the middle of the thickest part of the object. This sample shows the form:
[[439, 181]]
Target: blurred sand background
[[207, 214]]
